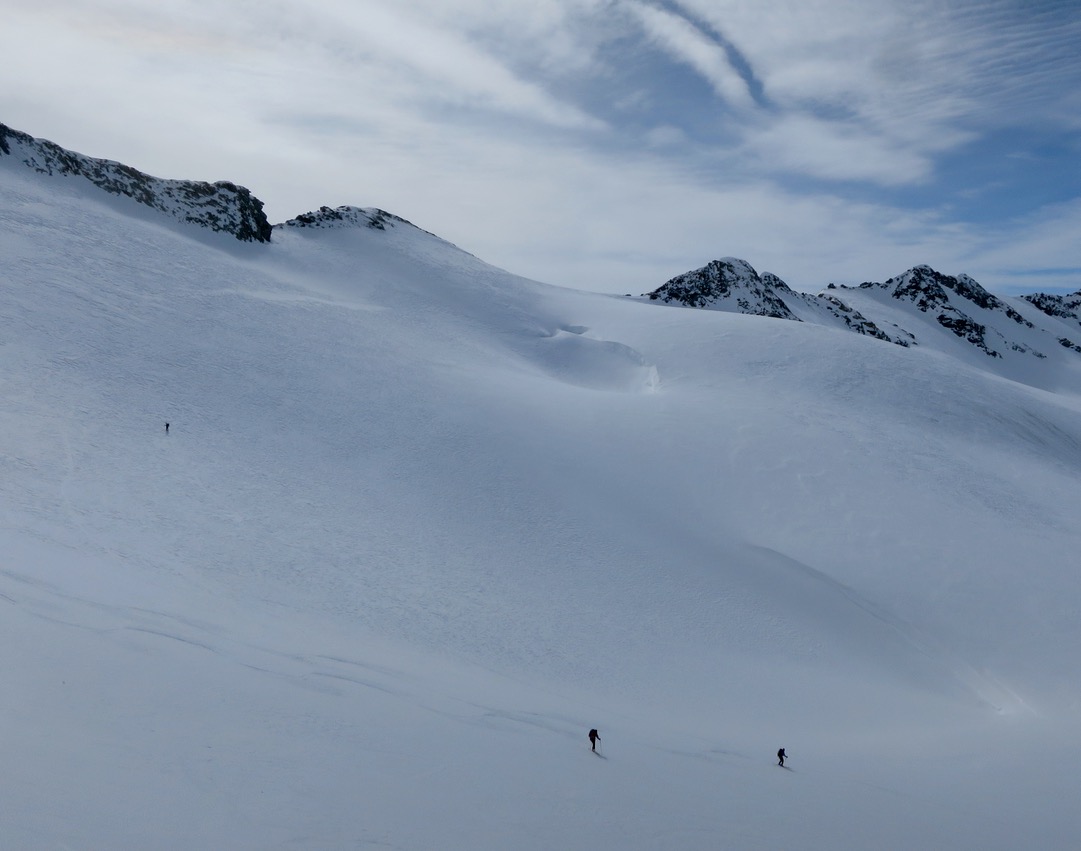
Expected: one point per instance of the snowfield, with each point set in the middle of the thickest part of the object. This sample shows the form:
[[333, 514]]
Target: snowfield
[[419, 524]]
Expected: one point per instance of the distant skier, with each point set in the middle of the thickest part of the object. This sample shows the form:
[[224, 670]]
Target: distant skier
[[167, 428], [594, 737], [780, 757]]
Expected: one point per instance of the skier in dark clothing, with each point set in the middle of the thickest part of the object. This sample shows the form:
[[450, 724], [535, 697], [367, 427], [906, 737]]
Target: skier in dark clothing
[[167, 428], [780, 757], [593, 737]]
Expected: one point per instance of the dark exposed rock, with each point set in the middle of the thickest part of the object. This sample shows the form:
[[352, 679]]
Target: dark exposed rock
[[967, 329]]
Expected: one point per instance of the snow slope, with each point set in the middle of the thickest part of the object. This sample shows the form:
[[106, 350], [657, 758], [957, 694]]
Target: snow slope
[[419, 524]]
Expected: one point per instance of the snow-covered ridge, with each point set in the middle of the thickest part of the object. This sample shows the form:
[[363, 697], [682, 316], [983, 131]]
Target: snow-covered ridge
[[923, 307], [952, 302], [919, 307], [349, 217], [733, 285], [726, 284], [343, 217], [220, 206], [1061, 306]]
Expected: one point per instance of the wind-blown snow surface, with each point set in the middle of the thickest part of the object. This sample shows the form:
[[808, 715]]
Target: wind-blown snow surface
[[419, 524]]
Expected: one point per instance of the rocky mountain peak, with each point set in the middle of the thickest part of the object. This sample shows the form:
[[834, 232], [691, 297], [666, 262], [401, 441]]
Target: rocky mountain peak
[[728, 284], [344, 217], [929, 289], [733, 285], [959, 304], [914, 307]]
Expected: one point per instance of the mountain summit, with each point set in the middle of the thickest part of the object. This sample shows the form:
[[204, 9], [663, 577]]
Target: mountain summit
[[345, 217], [729, 284]]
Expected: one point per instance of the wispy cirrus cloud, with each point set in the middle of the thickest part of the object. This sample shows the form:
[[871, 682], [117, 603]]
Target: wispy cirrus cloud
[[820, 139], [907, 71], [400, 46], [699, 49], [444, 66]]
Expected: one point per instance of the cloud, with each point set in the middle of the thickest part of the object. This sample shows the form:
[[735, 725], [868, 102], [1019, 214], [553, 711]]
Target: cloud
[[918, 78], [356, 41], [849, 91], [665, 135], [692, 46], [921, 64], [446, 66], [555, 37], [832, 150], [1032, 252], [552, 138]]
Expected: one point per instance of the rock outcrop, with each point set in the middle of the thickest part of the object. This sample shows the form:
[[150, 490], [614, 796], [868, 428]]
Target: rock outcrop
[[221, 206]]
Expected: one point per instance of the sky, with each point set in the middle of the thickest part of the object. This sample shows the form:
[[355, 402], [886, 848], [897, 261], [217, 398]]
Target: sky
[[605, 145]]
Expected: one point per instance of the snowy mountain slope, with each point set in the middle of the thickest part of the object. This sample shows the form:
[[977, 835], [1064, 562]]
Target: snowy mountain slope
[[418, 524], [958, 316], [1059, 315], [733, 285], [954, 315]]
